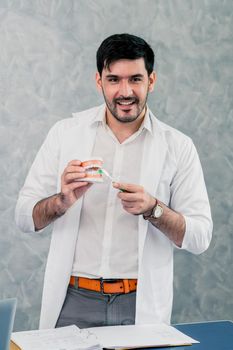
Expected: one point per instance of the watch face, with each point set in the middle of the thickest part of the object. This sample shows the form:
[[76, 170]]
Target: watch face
[[158, 211]]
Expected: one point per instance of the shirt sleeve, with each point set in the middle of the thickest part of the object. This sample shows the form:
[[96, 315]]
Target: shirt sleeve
[[41, 181], [189, 197]]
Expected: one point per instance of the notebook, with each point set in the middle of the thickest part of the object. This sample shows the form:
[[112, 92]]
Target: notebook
[[7, 316], [111, 337], [64, 338]]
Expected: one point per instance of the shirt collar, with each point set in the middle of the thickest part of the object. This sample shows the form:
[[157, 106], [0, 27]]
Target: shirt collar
[[146, 124]]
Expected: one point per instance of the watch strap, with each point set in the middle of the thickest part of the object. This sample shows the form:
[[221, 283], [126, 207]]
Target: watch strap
[[146, 217]]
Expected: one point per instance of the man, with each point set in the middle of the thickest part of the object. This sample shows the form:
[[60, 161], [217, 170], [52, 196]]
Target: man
[[111, 254]]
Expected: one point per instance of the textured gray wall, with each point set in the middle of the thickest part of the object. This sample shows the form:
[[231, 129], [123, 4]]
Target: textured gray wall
[[47, 66]]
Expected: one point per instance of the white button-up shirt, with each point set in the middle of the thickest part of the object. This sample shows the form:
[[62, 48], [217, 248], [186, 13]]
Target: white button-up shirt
[[107, 244]]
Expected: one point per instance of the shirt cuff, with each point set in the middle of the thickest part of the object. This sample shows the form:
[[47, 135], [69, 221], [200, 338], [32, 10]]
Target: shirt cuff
[[23, 215]]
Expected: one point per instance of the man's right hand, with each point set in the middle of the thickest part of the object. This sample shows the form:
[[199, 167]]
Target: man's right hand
[[51, 208], [71, 188]]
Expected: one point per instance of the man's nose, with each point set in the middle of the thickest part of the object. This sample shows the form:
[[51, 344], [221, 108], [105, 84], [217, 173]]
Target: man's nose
[[125, 89]]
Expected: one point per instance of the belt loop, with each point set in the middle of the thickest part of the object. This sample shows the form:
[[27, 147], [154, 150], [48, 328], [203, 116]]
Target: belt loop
[[101, 285], [126, 286]]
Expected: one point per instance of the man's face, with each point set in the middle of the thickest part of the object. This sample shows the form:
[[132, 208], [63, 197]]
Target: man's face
[[125, 86]]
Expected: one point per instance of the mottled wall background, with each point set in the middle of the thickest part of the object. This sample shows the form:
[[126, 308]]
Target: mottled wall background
[[47, 66]]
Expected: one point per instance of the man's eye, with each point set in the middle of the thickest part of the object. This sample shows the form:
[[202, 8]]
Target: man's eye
[[136, 79], [112, 80]]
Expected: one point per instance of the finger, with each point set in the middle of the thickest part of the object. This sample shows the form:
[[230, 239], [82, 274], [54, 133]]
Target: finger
[[129, 203], [74, 162], [127, 187], [70, 177], [75, 185], [74, 169], [129, 196], [133, 211]]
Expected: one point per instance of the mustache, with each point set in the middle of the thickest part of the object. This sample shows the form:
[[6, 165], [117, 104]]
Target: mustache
[[126, 99]]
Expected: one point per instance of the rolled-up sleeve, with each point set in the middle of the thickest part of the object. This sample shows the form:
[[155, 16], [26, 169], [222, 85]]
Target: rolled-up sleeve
[[189, 197]]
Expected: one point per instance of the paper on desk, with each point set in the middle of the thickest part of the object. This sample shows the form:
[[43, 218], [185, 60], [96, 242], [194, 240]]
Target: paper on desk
[[140, 336], [64, 338]]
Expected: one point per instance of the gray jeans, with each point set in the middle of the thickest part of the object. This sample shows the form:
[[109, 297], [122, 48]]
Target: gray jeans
[[86, 308]]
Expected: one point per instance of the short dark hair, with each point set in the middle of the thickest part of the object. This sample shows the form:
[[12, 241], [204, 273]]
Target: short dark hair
[[124, 46]]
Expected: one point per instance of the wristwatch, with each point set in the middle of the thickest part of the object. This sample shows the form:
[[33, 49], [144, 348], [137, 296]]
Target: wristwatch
[[156, 212]]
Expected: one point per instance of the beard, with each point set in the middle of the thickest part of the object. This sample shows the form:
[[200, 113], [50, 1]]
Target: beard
[[129, 116]]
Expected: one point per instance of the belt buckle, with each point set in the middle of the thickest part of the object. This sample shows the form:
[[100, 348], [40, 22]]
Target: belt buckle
[[102, 280]]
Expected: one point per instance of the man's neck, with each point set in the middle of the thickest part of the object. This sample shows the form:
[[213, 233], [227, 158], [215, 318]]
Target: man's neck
[[123, 131]]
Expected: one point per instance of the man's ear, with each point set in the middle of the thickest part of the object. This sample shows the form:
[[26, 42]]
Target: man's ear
[[98, 81], [152, 81]]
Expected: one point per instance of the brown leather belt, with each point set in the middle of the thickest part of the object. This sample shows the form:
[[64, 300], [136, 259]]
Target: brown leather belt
[[105, 286]]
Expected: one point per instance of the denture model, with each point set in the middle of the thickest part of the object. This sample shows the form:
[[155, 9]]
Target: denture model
[[92, 167]]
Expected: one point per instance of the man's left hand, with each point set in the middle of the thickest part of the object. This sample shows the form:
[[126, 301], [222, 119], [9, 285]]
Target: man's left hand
[[135, 200]]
